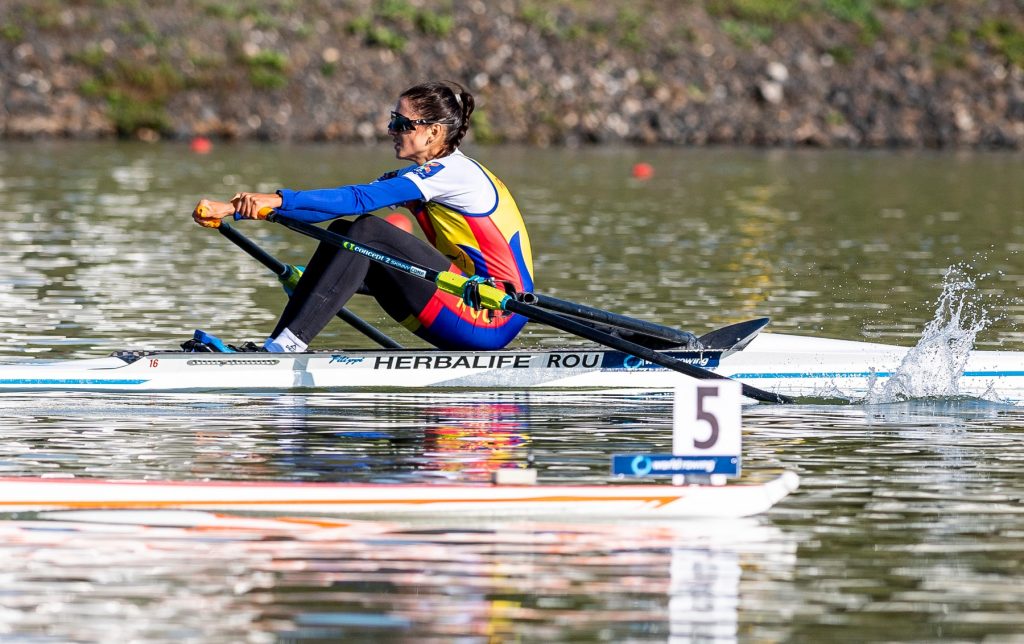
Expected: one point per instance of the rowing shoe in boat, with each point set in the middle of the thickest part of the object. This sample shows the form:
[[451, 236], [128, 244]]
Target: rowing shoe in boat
[[791, 365], [352, 499]]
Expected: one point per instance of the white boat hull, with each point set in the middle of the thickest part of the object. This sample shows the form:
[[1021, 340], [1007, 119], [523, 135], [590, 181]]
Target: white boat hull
[[791, 365], [432, 501]]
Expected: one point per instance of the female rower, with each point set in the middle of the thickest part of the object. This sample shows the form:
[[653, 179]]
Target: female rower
[[466, 213]]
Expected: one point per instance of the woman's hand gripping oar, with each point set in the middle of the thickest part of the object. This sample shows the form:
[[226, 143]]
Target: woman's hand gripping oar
[[496, 299], [288, 275]]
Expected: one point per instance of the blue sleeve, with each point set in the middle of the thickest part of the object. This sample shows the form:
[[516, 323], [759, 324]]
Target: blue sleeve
[[314, 206]]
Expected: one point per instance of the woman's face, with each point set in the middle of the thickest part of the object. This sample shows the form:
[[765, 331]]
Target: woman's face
[[420, 144]]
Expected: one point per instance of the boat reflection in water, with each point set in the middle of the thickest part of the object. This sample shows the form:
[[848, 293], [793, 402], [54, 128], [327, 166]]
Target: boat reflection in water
[[411, 437], [313, 578]]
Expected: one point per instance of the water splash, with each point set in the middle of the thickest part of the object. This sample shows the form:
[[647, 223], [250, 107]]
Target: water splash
[[932, 369]]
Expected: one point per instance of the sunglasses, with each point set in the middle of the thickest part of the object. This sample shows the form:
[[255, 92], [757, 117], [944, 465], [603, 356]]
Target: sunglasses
[[400, 123]]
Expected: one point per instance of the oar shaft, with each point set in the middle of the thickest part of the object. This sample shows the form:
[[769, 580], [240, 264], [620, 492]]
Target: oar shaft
[[284, 271], [263, 257], [367, 329], [667, 333], [496, 299]]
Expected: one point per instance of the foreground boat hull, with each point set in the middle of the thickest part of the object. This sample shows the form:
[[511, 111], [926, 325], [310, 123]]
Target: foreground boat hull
[[786, 364], [431, 501]]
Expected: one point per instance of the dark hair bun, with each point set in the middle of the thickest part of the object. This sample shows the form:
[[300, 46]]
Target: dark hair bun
[[444, 102]]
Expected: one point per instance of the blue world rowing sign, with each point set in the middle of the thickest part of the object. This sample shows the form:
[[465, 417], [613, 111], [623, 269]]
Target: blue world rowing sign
[[670, 465]]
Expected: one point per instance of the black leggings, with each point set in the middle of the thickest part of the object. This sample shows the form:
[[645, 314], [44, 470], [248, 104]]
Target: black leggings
[[334, 275]]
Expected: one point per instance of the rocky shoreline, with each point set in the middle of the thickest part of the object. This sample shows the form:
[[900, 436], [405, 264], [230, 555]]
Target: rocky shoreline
[[857, 73]]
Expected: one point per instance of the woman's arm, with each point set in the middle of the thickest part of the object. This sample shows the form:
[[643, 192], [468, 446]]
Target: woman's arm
[[320, 205], [310, 205]]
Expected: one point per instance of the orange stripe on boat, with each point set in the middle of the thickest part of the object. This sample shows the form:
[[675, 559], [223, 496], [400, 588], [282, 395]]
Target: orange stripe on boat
[[657, 501]]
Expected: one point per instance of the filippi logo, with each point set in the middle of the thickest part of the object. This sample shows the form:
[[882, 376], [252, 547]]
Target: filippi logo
[[336, 359]]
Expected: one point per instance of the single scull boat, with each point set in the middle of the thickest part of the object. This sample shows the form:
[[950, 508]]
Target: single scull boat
[[347, 499], [786, 364]]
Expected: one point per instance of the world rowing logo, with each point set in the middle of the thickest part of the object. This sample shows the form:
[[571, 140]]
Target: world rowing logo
[[702, 359], [642, 465]]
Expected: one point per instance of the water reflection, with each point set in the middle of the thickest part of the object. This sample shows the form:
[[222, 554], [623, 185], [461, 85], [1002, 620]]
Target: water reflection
[[905, 509], [318, 581], [327, 436]]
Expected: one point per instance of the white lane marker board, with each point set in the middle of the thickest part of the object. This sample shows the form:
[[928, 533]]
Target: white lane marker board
[[706, 436]]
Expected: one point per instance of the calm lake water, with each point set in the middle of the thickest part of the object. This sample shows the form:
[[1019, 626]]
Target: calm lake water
[[909, 523]]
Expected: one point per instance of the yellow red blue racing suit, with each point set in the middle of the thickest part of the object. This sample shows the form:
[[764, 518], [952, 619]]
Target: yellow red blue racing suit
[[472, 224]]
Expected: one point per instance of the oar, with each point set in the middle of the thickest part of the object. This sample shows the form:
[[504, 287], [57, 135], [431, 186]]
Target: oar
[[496, 299], [672, 337], [289, 277]]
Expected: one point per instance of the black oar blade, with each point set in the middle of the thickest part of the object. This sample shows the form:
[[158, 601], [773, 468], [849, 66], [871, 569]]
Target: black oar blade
[[735, 336]]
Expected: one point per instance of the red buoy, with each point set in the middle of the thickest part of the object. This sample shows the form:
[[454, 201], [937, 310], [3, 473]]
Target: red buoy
[[400, 221], [643, 171], [201, 145]]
